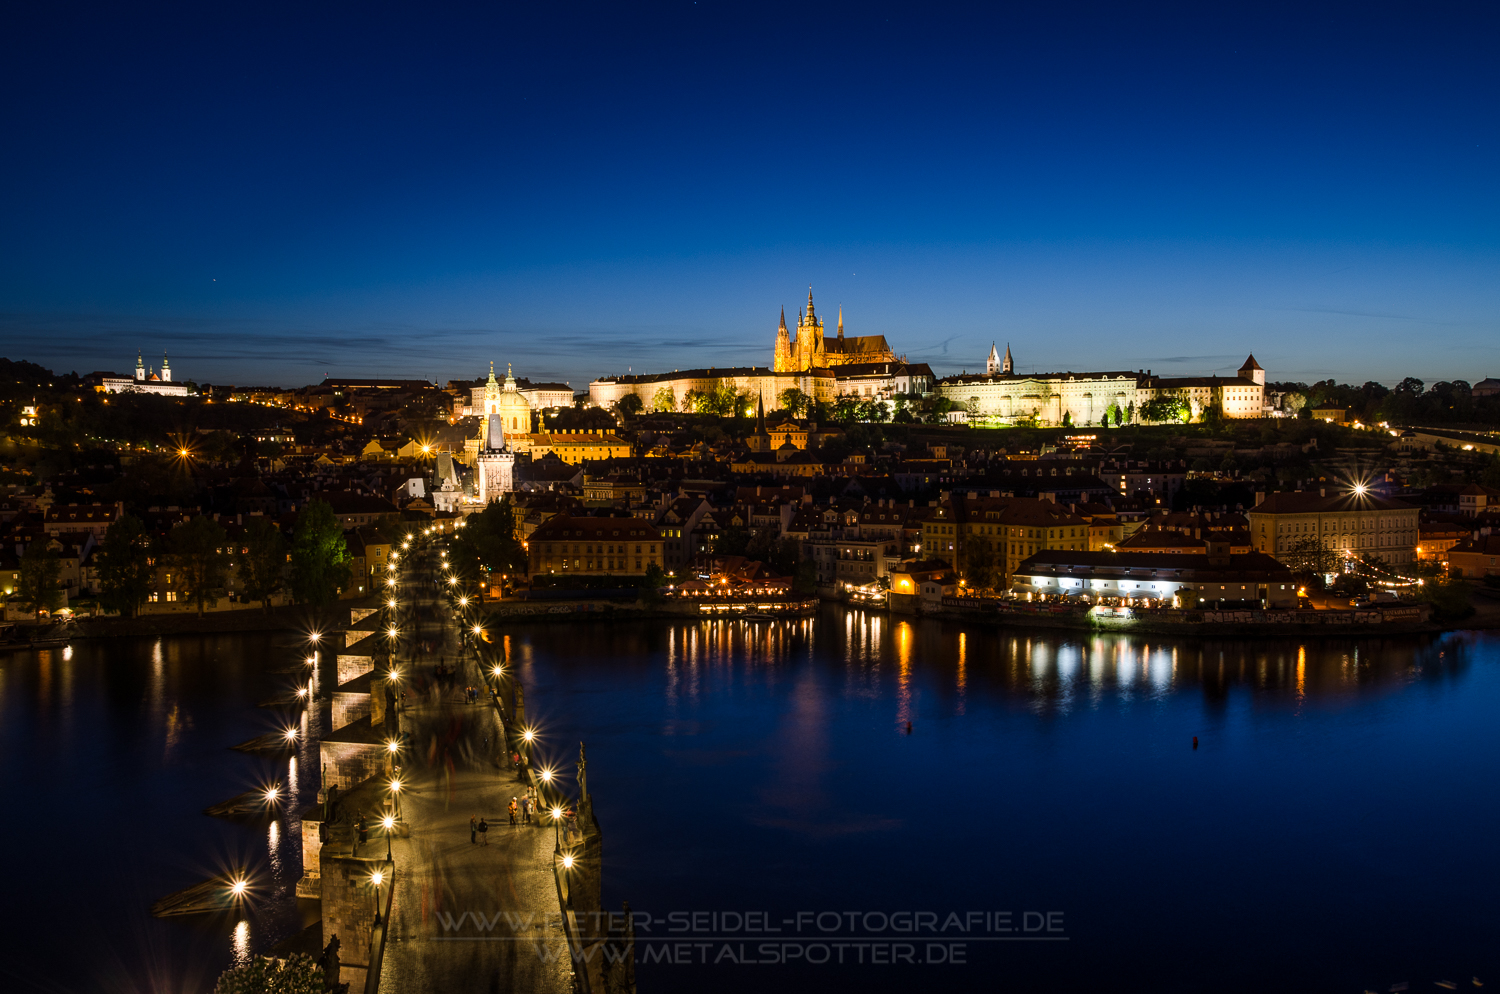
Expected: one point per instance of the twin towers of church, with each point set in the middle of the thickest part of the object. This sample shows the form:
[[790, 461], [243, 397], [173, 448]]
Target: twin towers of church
[[994, 364]]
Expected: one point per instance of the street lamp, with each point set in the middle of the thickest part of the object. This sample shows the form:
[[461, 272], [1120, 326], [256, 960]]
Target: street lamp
[[376, 879], [396, 796], [557, 813], [389, 822]]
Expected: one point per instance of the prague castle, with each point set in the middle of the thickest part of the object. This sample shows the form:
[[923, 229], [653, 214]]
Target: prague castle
[[810, 350]]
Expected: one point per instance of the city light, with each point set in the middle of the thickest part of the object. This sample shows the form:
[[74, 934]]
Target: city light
[[377, 878], [301, 691], [528, 734], [567, 862], [238, 886], [272, 793], [498, 671], [392, 632], [291, 734], [546, 776], [393, 746]]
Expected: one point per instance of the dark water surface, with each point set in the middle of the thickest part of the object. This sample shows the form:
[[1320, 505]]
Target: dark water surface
[[1335, 830]]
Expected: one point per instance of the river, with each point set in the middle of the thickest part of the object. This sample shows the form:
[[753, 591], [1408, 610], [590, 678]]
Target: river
[[1046, 824]]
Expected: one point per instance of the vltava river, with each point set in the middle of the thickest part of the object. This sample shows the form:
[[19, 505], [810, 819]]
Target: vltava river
[[1047, 821]]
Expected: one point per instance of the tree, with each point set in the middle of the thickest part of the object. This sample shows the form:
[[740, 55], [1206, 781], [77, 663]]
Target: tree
[[629, 404], [979, 564], [196, 550], [124, 566], [488, 540], [297, 974], [40, 569], [1067, 421], [794, 401], [262, 566], [320, 560], [664, 400], [1309, 555], [846, 410], [1163, 409], [1294, 402]]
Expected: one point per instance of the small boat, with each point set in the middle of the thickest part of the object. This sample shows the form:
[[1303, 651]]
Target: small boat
[[270, 742], [215, 894], [250, 804], [758, 616], [1446, 984]]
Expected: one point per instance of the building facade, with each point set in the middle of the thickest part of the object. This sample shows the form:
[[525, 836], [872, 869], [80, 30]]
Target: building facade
[[145, 380], [1350, 524], [617, 546], [669, 391], [1086, 398]]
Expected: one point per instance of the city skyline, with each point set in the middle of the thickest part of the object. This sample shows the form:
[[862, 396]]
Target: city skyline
[[602, 192]]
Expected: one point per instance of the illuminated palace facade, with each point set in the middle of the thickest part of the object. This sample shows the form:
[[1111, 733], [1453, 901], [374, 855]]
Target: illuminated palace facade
[[1084, 398]]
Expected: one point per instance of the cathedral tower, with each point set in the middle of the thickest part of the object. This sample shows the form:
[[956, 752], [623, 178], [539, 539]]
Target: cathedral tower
[[783, 360], [1008, 367], [992, 362]]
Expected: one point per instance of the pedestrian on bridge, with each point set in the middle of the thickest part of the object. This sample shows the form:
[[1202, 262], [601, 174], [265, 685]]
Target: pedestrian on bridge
[[473, 830], [513, 810], [484, 828]]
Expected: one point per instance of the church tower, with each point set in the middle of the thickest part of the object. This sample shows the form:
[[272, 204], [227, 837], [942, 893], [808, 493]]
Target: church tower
[[491, 394], [166, 369], [140, 369], [783, 362], [495, 463], [809, 337], [1008, 367], [992, 363]]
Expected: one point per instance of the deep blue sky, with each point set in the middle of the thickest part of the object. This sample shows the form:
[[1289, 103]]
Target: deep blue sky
[[272, 194]]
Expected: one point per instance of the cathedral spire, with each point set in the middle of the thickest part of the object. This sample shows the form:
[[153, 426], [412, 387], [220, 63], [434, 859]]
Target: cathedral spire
[[841, 320], [809, 304], [783, 317], [1009, 367]]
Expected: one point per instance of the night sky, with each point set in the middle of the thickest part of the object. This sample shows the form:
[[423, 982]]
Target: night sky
[[272, 195]]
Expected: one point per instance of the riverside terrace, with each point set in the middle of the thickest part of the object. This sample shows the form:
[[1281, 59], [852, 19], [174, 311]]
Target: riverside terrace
[[1157, 579]]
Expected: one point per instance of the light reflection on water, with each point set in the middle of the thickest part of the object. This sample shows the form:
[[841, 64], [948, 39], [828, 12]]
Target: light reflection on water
[[132, 735], [1059, 766]]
